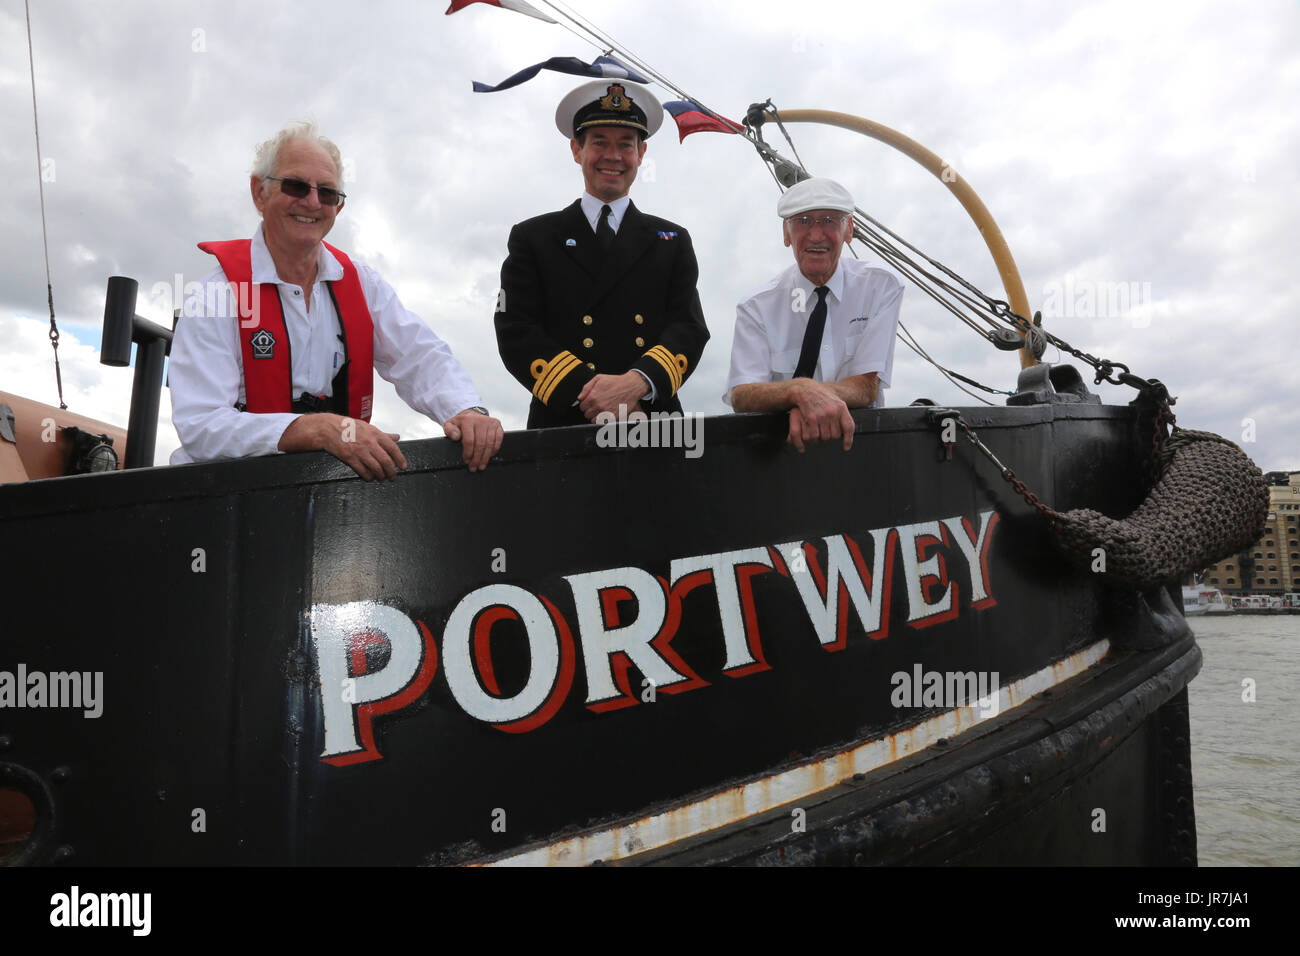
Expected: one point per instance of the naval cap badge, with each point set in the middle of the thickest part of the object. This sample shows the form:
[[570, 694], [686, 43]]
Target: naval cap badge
[[615, 99]]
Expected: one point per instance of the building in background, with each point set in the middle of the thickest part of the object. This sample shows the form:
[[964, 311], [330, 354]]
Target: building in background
[[1272, 564]]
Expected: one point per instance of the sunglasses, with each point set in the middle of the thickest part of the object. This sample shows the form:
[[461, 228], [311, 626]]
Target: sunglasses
[[297, 189]]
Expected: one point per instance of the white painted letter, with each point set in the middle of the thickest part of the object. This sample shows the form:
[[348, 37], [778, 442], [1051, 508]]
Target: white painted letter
[[724, 567], [333, 628], [869, 597], [599, 642], [921, 612], [458, 655]]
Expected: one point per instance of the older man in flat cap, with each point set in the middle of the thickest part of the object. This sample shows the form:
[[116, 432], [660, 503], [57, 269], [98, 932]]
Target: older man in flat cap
[[598, 308], [819, 338]]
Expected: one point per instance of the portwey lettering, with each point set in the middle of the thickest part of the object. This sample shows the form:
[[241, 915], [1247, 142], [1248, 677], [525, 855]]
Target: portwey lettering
[[829, 580], [58, 689]]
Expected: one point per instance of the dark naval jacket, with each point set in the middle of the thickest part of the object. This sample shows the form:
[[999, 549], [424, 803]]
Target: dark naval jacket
[[569, 310]]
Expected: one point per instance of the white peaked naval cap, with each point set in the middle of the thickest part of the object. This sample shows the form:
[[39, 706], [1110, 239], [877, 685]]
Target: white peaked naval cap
[[815, 193], [609, 102]]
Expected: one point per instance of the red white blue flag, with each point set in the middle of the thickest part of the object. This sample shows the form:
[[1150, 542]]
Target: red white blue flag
[[691, 119], [602, 66], [518, 6]]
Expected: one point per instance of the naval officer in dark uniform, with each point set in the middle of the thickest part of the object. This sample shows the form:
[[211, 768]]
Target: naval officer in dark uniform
[[598, 306]]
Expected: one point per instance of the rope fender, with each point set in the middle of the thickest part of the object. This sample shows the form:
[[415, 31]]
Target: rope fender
[[1210, 501]]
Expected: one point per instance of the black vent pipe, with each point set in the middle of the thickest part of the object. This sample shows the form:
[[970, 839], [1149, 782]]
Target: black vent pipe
[[122, 327]]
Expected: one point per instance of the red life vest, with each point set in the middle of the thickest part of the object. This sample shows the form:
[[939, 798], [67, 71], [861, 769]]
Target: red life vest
[[264, 339]]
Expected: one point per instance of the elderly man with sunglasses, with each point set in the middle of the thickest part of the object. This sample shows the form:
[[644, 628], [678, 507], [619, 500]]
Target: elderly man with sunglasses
[[819, 338], [279, 350]]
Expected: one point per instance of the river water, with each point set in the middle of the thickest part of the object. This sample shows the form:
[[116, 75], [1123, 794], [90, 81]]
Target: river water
[[1246, 754]]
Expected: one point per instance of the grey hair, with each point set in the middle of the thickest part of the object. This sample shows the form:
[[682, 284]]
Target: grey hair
[[268, 154]]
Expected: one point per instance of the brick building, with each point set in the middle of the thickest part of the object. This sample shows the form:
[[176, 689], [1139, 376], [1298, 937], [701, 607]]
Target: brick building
[[1272, 564]]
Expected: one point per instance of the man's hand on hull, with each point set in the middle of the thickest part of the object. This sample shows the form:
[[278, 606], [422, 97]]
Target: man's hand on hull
[[370, 452], [818, 415], [480, 435]]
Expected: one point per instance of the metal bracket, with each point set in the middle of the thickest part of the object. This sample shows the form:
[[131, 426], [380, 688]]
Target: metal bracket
[[1046, 384]]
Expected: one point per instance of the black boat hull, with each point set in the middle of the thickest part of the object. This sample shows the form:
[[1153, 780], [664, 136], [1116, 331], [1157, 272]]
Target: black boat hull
[[589, 653]]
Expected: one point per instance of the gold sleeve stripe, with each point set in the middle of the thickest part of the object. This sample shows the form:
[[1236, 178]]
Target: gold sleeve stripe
[[556, 369], [555, 374], [669, 363]]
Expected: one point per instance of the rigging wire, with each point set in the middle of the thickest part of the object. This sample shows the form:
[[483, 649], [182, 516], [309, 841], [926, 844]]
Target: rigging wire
[[905, 336], [610, 44], [910, 341], [986, 299], [932, 285], [873, 238], [786, 133], [920, 278], [49, 282], [606, 43]]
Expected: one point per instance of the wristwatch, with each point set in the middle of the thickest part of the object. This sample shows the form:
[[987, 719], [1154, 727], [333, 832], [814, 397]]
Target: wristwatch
[[477, 408]]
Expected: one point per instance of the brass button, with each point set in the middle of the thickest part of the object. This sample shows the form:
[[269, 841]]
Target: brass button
[[587, 343], [639, 319], [586, 320], [639, 341], [592, 366]]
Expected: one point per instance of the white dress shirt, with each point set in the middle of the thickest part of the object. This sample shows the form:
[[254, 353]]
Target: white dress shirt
[[206, 367], [861, 321], [617, 209]]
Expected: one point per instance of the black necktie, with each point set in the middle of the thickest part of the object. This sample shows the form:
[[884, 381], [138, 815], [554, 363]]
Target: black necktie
[[812, 336], [604, 231]]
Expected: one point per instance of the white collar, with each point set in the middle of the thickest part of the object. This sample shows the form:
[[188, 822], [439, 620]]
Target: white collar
[[328, 269], [617, 209], [835, 284]]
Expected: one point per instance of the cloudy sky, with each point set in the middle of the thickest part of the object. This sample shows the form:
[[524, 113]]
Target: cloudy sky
[[1138, 156]]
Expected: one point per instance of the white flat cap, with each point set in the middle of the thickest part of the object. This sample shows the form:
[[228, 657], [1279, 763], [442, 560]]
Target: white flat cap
[[815, 193], [609, 102]]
